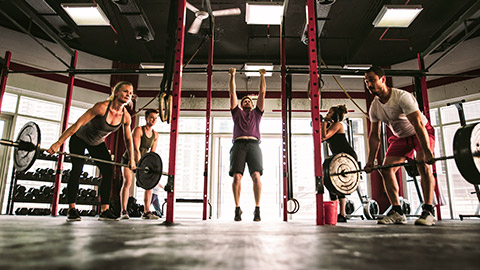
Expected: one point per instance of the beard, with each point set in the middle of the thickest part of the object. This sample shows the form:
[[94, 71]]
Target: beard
[[372, 92]]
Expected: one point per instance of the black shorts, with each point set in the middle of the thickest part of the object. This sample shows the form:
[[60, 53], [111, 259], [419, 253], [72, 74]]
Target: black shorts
[[245, 151]]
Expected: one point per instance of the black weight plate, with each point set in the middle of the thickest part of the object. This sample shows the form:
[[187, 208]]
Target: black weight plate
[[466, 142], [24, 159], [149, 179], [341, 184]]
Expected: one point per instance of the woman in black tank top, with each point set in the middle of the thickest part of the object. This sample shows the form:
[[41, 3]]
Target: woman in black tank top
[[89, 132], [334, 133]]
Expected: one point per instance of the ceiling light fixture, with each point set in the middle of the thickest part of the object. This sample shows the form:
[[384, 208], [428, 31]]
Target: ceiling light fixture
[[153, 65], [397, 15], [264, 13], [255, 67], [86, 14], [355, 67]]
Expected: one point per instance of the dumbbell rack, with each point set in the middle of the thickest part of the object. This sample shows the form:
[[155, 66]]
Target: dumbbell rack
[[48, 176]]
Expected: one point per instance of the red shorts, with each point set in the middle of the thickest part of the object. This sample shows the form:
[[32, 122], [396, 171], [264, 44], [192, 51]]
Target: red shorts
[[404, 147]]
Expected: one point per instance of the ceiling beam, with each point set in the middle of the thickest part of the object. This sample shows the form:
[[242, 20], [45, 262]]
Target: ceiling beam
[[472, 8]]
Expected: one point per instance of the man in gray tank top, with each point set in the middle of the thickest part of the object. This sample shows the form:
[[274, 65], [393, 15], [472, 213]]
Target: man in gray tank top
[[144, 140]]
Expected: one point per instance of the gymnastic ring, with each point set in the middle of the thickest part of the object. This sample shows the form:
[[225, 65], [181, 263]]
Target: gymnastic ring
[[162, 111]]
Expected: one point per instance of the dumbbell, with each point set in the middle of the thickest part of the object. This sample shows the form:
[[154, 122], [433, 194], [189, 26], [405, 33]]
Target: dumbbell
[[65, 175], [349, 207], [84, 175], [20, 188], [34, 212], [21, 211], [63, 211], [92, 193], [83, 192]]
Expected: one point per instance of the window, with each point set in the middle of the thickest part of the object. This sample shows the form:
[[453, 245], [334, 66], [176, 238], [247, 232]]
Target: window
[[9, 103], [75, 113], [40, 108]]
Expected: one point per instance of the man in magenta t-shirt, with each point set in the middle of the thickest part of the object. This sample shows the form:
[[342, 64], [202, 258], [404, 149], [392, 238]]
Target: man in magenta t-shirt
[[246, 139]]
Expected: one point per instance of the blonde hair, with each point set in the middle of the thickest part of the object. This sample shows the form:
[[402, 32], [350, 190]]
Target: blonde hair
[[340, 111], [117, 87]]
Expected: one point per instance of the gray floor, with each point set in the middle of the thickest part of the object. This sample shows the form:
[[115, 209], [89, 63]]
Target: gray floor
[[52, 243]]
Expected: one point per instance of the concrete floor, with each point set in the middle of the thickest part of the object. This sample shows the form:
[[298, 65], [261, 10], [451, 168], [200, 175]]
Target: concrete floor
[[52, 243]]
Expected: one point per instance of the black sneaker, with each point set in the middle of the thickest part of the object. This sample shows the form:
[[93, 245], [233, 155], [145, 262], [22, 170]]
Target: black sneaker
[[238, 214], [108, 215], [73, 215], [256, 214], [341, 218]]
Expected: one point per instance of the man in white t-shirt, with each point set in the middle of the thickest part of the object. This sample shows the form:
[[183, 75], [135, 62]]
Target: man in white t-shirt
[[412, 132]]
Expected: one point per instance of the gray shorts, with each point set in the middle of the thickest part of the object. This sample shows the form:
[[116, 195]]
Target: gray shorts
[[245, 151]]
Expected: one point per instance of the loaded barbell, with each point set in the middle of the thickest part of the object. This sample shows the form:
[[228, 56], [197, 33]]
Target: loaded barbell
[[341, 172], [27, 149]]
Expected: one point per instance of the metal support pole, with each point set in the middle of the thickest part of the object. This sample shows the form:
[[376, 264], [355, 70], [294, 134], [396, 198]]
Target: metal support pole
[[66, 115], [426, 111], [284, 120], [3, 84], [315, 102], [207, 117], [177, 90]]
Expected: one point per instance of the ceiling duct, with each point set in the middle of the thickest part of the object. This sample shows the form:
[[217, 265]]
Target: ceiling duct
[[323, 8], [137, 19]]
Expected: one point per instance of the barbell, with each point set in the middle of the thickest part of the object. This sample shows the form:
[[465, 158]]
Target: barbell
[[341, 172], [27, 149]]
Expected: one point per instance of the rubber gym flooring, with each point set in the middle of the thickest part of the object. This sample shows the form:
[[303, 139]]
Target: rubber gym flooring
[[52, 243]]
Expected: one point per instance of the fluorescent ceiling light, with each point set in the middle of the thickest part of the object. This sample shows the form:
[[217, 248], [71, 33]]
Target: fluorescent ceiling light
[[153, 65], [355, 67], [397, 15], [264, 13], [255, 68], [86, 13]]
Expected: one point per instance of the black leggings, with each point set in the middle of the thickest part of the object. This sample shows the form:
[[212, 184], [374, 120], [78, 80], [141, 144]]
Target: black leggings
[[78, 146]]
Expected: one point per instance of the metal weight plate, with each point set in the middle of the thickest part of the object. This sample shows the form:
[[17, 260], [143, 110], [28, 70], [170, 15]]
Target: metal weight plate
[[24, 159], [149, 179], [349, 207], [466, 142], [371, 209], [341, 184]]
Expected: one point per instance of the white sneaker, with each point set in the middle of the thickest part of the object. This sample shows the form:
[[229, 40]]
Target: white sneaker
[[124, 215], [149, 215], [393, 218], [425, 219]]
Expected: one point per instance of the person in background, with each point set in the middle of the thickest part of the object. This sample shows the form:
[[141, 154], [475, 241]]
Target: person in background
[[144, 140], [334, 133]]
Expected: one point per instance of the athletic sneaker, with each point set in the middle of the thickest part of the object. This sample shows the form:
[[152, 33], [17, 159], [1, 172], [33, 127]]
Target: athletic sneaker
[[341, 218], [124, 215], [426, 219], [107, 215], [149, 215], [256, 214], [73, 215], [238, 214], [393, 218]]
